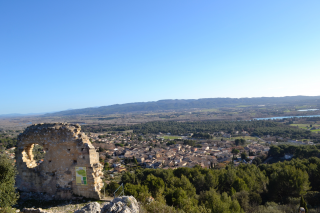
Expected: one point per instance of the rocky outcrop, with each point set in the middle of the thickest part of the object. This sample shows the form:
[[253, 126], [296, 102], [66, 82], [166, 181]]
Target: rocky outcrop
[[70, 166], [90, 208], [125, 204]]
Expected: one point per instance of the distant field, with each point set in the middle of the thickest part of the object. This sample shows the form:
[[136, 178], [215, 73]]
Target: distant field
[[300, 125], [306, 126], [210, 110], [126, 131], [300, 107], [243, 106], [152, 114], [233, 138], [171, 137]]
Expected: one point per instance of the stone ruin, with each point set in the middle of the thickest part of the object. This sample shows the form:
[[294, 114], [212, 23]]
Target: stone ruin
[[70, 167]]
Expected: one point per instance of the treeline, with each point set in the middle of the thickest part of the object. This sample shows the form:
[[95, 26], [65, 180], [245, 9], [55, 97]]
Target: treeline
[[255, 128], [180, 128], [202, 135], [285, 132], [96, 128], [240, 141], [295, 151], [191, 143], [232, 189]]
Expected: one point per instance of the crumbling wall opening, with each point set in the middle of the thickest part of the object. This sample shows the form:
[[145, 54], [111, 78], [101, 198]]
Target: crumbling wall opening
[[33, 155], [27, 156]]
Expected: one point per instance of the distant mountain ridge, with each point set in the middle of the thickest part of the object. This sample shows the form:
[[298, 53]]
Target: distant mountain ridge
[[19, 115], [185, 104]]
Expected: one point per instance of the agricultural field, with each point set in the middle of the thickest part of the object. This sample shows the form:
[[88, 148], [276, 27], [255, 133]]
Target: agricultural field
[[210, 110], [306, 126], [171, 137]]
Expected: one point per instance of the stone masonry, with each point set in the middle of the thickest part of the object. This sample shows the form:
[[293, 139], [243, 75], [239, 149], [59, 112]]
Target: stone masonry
[[66, 149]]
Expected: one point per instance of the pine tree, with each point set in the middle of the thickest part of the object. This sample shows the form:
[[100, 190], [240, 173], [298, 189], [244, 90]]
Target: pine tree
[[303, 204], [134, 160], [8, 194]]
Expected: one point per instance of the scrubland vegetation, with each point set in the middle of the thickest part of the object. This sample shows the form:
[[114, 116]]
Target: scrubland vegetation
[[274, 187]]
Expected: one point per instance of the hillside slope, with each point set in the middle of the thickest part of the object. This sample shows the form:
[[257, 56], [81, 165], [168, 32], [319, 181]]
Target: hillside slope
[[190, 104]]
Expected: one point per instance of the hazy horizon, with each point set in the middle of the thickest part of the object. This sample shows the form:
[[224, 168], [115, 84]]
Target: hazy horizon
[[31, 113]]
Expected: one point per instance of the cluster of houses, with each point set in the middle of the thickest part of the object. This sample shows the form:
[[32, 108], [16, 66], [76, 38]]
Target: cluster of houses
[[256, 148], [208, 153]]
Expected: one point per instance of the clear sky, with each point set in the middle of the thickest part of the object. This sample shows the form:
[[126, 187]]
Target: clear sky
[[57, 55]]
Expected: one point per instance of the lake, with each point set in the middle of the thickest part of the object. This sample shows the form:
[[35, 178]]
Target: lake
[[306, 110], [274, 118]]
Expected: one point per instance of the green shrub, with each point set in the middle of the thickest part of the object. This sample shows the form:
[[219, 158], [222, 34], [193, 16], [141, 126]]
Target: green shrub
[[8, 194]]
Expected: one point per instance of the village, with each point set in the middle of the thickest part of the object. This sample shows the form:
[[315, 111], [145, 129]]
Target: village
[[122, 151]]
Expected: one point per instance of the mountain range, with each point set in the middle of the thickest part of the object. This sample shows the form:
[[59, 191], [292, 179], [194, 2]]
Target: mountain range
[[187, 104]]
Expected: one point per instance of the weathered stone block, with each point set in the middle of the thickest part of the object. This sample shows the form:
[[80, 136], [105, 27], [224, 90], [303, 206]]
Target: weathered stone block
[[66, 148]]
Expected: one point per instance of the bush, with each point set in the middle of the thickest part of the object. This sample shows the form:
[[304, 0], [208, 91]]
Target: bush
[[8, 194]]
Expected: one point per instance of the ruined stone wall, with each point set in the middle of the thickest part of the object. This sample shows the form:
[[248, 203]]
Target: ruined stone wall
[[66, 148]]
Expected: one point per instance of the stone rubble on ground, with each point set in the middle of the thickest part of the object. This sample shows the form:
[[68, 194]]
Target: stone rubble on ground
[[93, 207], [116, 207], [125, 204]]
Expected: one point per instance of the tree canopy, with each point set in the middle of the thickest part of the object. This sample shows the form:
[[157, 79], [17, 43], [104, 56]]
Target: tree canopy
[[230, 189], [8, 194]]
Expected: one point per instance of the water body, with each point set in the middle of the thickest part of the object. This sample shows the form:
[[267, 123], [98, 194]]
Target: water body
[[306, 110], [274, 118], [21, 124]]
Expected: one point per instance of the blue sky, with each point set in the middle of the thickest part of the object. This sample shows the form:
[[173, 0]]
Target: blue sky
[[57, 55]]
